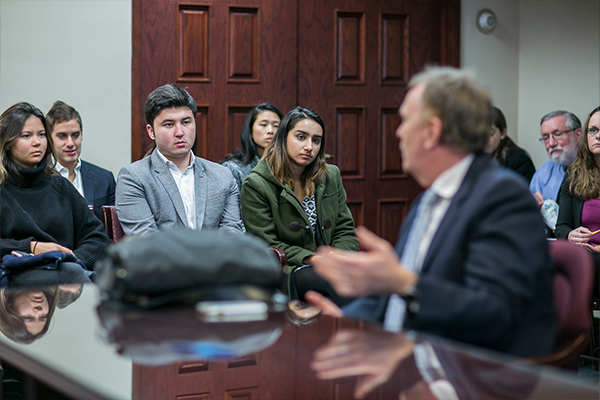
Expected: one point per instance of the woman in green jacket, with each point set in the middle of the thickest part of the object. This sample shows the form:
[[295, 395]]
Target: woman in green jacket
[[292, 199]]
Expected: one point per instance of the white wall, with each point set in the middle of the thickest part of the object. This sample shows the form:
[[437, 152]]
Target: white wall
[[559, 64], [495, 56], [543, 56], [78, 51]]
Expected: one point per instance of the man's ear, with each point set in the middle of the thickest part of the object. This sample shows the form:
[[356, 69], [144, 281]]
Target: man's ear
[[433, 134], [150, 131], [577, 132]]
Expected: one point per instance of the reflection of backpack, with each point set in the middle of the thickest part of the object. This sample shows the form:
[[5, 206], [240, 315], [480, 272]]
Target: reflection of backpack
[[166, 264], [12, 264], [155, 337]]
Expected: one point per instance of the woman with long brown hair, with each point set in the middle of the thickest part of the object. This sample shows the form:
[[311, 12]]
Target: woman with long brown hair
[[296, 202], [293, 199], [579, 197], [41, 211]]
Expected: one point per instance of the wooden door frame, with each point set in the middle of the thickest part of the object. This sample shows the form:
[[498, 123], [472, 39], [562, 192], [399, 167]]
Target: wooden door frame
[[137, 103]]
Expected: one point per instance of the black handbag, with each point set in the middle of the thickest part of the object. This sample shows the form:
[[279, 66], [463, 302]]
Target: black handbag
[[163, 266]]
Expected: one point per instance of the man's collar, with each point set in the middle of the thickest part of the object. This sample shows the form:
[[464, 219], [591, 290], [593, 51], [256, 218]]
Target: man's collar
[[59, 167], [448, 182], [170, 163]]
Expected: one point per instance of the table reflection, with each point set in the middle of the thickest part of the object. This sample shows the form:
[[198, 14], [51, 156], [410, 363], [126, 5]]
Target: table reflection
[[425, 370], [106, 350], [173, 335], [26, 313]]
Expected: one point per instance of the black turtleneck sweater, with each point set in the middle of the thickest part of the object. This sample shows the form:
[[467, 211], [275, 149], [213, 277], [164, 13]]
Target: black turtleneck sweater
[[48, 208]]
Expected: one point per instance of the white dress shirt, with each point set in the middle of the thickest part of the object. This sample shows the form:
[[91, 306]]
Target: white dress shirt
[[186, 185], [64, 171], [445, 186]]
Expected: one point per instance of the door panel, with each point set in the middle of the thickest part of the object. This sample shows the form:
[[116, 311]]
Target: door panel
[[349, 60], [354, 61], [230, 55]]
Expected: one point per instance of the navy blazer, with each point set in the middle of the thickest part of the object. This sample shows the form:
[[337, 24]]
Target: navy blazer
[[98, 187], [487, 276]]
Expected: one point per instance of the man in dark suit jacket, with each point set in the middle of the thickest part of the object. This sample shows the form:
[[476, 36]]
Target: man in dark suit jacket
[[98, 186], [479, 271], [95, 184]]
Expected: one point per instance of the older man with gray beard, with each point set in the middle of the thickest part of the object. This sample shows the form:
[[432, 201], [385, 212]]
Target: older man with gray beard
[[560, 131]]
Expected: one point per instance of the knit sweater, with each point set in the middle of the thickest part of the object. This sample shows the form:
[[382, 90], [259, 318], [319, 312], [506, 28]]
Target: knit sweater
[[240, 171], [48, 208]]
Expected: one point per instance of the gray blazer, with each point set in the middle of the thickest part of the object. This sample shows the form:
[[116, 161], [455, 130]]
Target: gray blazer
[[147, 197]]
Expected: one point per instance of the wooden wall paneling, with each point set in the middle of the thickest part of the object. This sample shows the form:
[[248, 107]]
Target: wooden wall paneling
[[201, 146], [425, 21], [391, 159], [394, 50], [224, 52], [192, 60], [349, 149], [192, 366], [156, 382], [250, 393], [350, 47], [354, 27], [391, 213], [199, 396], [356, 208], [265, 375], [158, 61], [244, 361], [243, 45], [399, 39], [137, 94], [335, 56], [236, 116], [450, 33]]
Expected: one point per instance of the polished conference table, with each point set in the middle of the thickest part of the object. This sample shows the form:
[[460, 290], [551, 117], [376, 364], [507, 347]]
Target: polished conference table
[[94, 350]]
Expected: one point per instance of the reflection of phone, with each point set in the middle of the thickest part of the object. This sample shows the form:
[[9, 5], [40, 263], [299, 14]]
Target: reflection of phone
[[232, 310]]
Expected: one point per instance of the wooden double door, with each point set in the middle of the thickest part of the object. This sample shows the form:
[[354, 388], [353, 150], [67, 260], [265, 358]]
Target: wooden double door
[[349, 60]]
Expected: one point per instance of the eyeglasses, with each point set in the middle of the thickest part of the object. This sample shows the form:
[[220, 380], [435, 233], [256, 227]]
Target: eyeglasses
[[592, 131], [557, 135]]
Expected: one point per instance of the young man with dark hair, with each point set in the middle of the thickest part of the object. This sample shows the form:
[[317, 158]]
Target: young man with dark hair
[[172, 187]]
